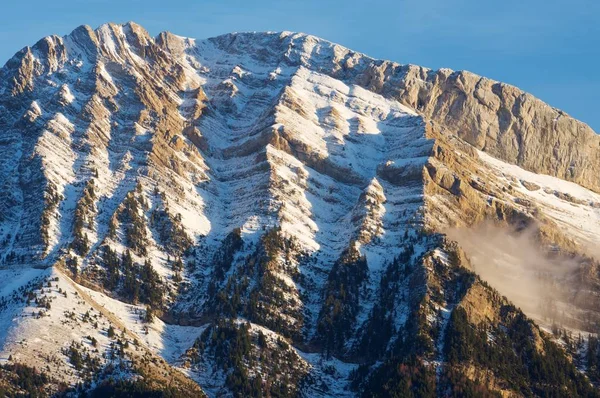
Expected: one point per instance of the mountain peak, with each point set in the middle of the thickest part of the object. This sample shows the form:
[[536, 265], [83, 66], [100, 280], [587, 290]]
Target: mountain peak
[[275, 212]]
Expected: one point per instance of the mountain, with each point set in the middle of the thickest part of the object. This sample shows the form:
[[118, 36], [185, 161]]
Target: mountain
[[272, 214]]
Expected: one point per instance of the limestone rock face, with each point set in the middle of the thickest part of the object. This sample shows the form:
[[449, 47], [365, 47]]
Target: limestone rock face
[[506, 123]]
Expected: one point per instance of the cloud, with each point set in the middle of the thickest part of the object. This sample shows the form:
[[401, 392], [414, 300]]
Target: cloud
[[543, 283]]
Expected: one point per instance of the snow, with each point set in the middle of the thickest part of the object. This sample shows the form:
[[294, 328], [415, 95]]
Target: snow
[[169, 341], [66, 94], [582, 220], [34, 339], [12, 279], [333, 376]]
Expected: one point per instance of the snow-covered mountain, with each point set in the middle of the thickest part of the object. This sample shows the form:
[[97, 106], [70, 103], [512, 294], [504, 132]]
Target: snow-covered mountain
[[275, 213]]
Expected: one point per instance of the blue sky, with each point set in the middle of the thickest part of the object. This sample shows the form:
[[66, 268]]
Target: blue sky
[[550, 48]]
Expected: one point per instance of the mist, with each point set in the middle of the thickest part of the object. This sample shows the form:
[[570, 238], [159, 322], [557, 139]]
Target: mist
[[543, 283]]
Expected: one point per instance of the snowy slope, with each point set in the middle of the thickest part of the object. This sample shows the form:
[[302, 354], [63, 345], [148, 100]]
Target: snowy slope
[[574, 208]]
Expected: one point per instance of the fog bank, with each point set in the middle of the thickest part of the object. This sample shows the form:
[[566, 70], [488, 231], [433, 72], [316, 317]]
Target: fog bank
[[541, 282]]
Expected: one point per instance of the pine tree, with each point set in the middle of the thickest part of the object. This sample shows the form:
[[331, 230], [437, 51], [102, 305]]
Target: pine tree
[[342, 299], [149, 314], [111, 262], [112, 227], [135, 232], [177, 265], [130, 285], [151, 291], [84, 217]]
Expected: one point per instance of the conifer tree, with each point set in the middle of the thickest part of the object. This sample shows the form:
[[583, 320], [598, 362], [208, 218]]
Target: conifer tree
[[130, 285]]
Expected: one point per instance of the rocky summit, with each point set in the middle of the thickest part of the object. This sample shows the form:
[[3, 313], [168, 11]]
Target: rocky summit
[[271, 214]]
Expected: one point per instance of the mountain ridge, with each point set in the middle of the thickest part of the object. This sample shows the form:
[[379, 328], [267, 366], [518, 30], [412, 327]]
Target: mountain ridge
[[277, 200], [453, 79]]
